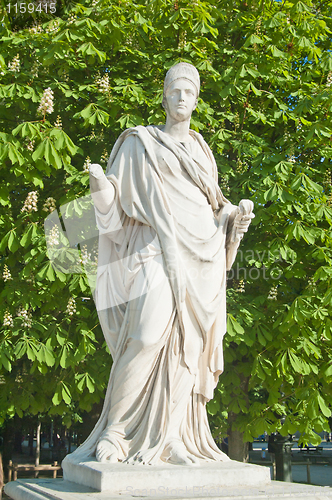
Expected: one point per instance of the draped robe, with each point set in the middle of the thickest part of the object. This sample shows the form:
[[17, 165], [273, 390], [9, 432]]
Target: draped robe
[[164, 247]]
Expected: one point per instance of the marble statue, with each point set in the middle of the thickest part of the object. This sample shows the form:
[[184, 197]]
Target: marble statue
[[167, 237]]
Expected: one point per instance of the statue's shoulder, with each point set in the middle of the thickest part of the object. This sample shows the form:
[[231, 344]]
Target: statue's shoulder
[[139, 130], [145, 134], [201, 141], [197, 136]]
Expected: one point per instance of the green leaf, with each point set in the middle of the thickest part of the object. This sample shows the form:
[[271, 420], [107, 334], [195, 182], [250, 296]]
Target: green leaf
[[5, 360], [57, 398], [13, 243], [64, 361], [88, 49], [4, 241], [89, 384], [233, 327], [324, 409], [66, 395], [295, 361], [14, 155], [27, 236], [276, 52], [39, 151], [46, 271], [48, 355], [253, 39]]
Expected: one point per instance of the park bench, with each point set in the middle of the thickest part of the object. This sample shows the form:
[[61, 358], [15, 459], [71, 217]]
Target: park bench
[[311, 449], [269, 463], [13, 469]]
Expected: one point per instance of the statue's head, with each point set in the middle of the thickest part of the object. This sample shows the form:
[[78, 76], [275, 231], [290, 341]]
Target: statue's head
[[182, 77]]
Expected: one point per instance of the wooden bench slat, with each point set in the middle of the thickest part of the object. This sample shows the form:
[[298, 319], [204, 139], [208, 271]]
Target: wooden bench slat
[[13, 469]]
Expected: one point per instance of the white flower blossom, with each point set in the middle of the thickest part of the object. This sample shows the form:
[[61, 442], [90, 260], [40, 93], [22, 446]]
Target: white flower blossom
[[71, 306], [31, 145], [8, 319], [46, 103], [104, 156], [103, 84], [49, 205], [6, 275], [241, 166], [36, 29], [30, 204], [273, 293], [65, 75], [182, 40], [58, 123], [240, 287], [97, 137], [328, 178], [15, 64], [34, 69], [54, 237], [86, 165], [329, 80], [224, 184], [53, 27], [311, 282], [85, 256], [71, 18], [26, 317], [94, 250]]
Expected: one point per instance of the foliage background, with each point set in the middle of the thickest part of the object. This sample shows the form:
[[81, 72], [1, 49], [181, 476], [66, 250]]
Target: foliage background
[[265, 110]]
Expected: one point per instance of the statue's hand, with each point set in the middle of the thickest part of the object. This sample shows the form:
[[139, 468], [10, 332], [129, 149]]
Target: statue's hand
[[102, 190], [96, 170], [242, 219]]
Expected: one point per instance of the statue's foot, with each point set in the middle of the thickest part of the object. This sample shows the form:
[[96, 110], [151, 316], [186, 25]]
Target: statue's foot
[[106, 452], [177, 454]]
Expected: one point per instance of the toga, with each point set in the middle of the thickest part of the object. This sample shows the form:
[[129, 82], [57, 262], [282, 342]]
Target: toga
[[164, 248]]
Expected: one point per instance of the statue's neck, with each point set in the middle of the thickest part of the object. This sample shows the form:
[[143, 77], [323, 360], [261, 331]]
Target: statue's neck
[[178, 130]]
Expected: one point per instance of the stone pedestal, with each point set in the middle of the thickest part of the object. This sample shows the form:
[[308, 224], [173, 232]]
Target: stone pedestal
[[225, 481], [150, 480], [58, 489]]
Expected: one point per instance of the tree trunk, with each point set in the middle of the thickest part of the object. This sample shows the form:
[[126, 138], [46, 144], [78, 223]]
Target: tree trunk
[[69, 435], [31, 434], [8, 441], [237, 449], [1, 477], [37, 446]]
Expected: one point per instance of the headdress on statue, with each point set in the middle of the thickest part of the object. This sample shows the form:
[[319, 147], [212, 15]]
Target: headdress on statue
[[182, 70]]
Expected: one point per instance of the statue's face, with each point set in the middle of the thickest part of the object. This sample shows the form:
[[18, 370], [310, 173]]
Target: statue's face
[[181, 99]]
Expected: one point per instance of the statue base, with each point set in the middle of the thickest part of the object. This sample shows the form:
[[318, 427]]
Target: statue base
[[230, 480], [152, 480], [58, 489]]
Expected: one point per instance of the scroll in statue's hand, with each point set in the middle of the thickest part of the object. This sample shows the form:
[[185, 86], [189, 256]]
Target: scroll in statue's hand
[[242, 220]]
